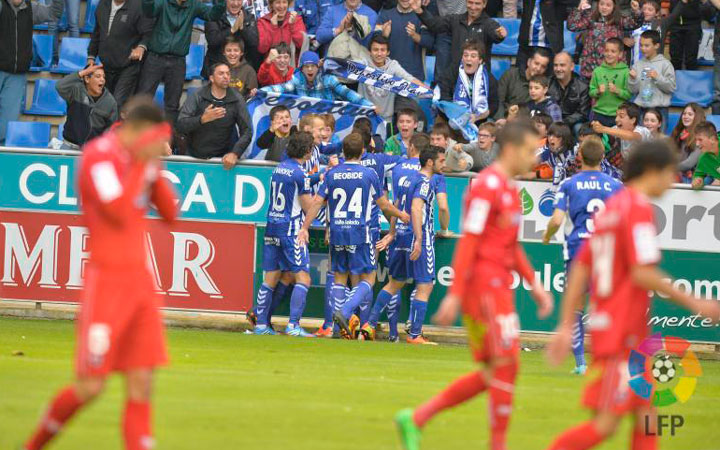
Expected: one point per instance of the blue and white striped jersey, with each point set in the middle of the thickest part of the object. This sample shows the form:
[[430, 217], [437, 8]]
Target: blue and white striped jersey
[[423, 188], [285, 214], [403, 175]]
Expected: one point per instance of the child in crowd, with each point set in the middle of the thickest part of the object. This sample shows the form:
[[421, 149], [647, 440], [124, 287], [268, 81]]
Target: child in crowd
[[407, 122], [242, 76], [276, 68], [600, 25], [652, 77], [652, 20], [483, 151], [275, 138], [377, 144], [608, 85], [559, 150], [331, 144], [684, 137], [455, 160], [540, 102], [655, 122], [627, 131], [476, 87], [708, 166], [542, 123]]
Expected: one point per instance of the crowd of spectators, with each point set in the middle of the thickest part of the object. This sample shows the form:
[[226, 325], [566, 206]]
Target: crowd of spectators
[[618, 84]]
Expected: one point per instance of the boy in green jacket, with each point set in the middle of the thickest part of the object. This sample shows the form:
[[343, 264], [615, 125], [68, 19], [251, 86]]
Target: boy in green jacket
[[709, 163], [609, 84]]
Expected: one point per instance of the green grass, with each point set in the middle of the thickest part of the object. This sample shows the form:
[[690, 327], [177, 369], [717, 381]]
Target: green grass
[[234, 391]]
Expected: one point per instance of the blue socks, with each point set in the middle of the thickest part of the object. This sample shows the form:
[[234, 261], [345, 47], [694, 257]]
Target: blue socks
[[358, 295], [578, 345], [417, 317], [338, 296], [297, 303], [263, 304], [278, 296], [364, 313], [381, 303], [393, 311], [329, 282]]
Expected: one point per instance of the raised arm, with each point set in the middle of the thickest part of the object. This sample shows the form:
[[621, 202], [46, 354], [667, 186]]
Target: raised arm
[[554, 225]]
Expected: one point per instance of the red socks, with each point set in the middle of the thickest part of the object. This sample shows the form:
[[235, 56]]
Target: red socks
[[462, 389], [582, 437], [502, 387], [642, 441], [136, 426], [62, 408]]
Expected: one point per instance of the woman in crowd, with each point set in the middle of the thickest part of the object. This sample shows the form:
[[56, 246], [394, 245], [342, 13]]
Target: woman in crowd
[[280, 25], [653, 121], [684, 137]]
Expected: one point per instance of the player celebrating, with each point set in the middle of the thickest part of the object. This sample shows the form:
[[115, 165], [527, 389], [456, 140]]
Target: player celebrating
[[290, 196], [620, 261], [579, 197], [486, 254], [119, 324], [349, 188], [413, 253]]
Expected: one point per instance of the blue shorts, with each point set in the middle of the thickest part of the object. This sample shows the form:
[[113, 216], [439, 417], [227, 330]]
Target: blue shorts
[[284, 253], [398, 260], [423, 268], [354, 259]]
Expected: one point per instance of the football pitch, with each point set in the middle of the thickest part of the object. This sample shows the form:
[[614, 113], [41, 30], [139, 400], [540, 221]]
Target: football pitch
[[235, 391]]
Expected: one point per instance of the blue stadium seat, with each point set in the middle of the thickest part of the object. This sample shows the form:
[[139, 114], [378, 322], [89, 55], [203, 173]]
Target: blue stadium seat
[[429, 69], [189, 91], [508, 47], [673, 119], [499, 66], [569, 40], [706, 62], [73, 55], [715, 120], [28, 134], [194, 61], [46, 101], [160, 95], [42, 44], [693, 86], [90, 8], [426, 106], [61, 128], [62, 25]]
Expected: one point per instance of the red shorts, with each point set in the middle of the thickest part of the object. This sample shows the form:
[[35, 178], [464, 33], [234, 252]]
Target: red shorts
[[608, 387], [492, 323], [119, 326]]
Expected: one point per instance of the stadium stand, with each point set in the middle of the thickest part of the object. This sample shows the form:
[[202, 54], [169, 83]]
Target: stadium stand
[[570, 40], [673, 119], [73, 55], [429, 69], [508, 47], [28, 134], [46, 101], [693, 86], [499, 66], [160, 95], [89, 25], [194, 62], [43, 46]]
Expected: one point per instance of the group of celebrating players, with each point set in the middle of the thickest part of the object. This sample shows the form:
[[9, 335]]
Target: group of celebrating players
[[611, 251]]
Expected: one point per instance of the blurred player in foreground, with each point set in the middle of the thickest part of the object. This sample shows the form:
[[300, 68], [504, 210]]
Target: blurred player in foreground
[[620, 263], [119, 328], [577, 199], [486, 254]]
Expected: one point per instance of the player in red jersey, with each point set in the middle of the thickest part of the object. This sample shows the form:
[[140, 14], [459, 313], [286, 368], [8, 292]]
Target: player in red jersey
[[620, 262], [486, 254], [119, 326]]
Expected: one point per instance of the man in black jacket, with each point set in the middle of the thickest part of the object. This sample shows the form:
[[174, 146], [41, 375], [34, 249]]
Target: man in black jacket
[[120, 40], [237, 22], [685, 36], [16, 29], [209, 118], [541, 25], [474, 24], [570, 91]]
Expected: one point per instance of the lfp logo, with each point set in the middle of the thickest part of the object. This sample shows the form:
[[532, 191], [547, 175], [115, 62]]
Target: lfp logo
[[664, 368]]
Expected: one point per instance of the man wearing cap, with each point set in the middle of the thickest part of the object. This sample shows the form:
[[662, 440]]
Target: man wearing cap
[[308, 82]]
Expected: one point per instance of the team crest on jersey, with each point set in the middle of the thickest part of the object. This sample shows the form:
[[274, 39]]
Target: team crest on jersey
[[424, 189], [307, 183]]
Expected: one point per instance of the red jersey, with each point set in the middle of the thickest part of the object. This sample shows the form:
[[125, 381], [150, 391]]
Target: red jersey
[[116, 191], [624, 237]]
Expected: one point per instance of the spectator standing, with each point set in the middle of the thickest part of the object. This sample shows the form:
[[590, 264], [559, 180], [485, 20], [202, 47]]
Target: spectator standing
[[540, 102], [570, 91], [120, 39], [684, 137], [280, 25], [308, 82], [276, 68], [72, 14], [599, 25], [653, 120], [484, 151], [686, 33], [541, 25], [513, 88], [170, 44], [652, 20], [608, 85], [238, 23], [475, 87], [312, 12], [17, 18], [708, 166], [508, 8], [711, 12], [339, 18], [652, 78], [474, 24], [242, 76], [443, 41], [91, 107], [407, 37], [212, 115]]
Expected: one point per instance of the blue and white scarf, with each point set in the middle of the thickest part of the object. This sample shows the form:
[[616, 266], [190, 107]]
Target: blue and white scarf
[[636, 53], [473, 96], [377, 78]]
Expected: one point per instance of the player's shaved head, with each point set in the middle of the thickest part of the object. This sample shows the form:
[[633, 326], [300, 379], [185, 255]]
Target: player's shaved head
[[592, 151], [516, 133], [419, 142], [300, 145], [353, 146]]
